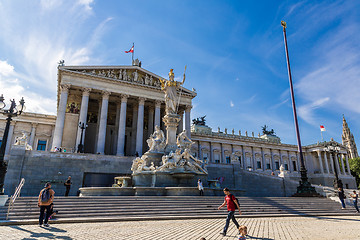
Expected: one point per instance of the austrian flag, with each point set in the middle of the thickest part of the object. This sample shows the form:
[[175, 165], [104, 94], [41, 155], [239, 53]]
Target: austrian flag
[[131, 49], [322, 128]]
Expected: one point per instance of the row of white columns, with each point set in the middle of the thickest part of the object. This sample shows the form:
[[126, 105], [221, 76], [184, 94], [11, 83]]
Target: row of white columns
[[154, 119], [337, 165], [252, 153]]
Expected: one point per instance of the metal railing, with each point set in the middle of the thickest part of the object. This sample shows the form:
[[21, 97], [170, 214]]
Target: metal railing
[[14, 197]]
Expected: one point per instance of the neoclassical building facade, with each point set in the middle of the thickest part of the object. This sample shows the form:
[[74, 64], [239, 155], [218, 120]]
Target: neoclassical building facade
[[121, 105]]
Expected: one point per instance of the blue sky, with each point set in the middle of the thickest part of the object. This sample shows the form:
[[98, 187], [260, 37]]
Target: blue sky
[[233, 50]]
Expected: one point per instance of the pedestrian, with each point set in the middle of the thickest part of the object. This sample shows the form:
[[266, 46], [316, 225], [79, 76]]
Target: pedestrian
[[232, 204], [243, 232], [201, 187], [67, 184], [341, 195], [45, 199], [355, 200], [52, 211]]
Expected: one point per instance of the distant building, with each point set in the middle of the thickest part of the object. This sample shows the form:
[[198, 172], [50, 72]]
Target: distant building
[[348, 140]]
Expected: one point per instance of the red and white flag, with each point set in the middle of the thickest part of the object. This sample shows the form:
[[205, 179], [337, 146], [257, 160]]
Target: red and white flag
[[322, 128], [131, 49]]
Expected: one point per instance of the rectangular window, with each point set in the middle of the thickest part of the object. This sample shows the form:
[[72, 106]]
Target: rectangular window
[[286, 167], [277, 166], [258, 164], [41, 145], [294, 164], [268, 166], [217, 158], [228, 159], [239, 158]]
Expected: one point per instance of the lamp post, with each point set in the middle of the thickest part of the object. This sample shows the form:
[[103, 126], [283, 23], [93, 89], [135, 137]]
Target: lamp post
[[305, 188], [13, 111], [333, 149], [82, 126]]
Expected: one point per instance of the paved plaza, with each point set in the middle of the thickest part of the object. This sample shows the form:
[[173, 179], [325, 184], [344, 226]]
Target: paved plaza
[[259, 228]]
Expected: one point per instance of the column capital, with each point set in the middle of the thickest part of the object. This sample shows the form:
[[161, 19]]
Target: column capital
[[188, 108], [105, 94], [142, 100], [86, 91], [12, 123], [158, 103], [65, 87], [34, 124], [124, 98]]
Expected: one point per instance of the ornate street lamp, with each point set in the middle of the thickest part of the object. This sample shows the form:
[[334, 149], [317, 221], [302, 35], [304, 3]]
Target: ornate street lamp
[[13, 111], [82, 126], [305, 188], [333, 149]]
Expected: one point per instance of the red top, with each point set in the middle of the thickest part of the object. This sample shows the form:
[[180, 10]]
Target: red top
[[230, 203]]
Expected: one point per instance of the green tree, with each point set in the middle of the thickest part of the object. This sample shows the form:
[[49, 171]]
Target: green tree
[[355, 169]]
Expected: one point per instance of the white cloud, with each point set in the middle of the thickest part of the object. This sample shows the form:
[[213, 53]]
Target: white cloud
[[36, 48], [231, 104], [306, 112], [86, 4], [5, 68]]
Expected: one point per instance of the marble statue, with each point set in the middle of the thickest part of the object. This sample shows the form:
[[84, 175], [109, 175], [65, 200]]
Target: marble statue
[[147, 80], [282, 171], [192, 162], [170, 161], [170, 88], [156, 141], [183, 141], [125, 76], [135, 76], [22, 141], [225, 130], [233, 131], [139, 165], [120, 74]]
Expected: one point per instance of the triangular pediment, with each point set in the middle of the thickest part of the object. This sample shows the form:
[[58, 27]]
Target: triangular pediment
[[125, 74]]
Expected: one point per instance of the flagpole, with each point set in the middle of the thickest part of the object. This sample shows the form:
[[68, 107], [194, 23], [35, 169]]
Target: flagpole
[[304, 189], [322, 139], [132, 55]]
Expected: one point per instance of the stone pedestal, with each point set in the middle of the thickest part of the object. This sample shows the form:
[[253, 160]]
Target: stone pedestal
[[154, 157], [171, 122], [3, 200]]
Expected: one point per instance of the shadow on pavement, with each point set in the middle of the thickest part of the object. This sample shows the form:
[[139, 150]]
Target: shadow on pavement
[[37, 235]]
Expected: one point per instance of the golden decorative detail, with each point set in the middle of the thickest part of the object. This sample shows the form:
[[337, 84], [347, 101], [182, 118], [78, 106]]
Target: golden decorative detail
[[283, 23]]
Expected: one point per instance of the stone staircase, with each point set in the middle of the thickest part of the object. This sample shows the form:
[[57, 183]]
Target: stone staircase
[[131, 208]]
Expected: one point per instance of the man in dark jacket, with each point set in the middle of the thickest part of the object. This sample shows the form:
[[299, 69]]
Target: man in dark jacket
[[67, 185], [341, 195]]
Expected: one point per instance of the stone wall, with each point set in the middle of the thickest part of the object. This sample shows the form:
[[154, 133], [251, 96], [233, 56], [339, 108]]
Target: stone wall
[[38, 167]]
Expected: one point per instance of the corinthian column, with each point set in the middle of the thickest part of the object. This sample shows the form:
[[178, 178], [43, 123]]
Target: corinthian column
[[157, 113], [122, 126], [103, 121], [320, 162], [32, 134], [83, 114], [60, 118], [140, 127], [187, 120]]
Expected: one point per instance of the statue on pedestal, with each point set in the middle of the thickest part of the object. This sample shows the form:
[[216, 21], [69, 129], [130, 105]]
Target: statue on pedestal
[[22, 141], [170, 88], [192, 162], [156, 140], [183, 141]]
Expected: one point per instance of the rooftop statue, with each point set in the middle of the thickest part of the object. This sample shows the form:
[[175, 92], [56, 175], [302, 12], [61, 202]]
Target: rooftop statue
[[199, 121], [170, 88], [266, 132]]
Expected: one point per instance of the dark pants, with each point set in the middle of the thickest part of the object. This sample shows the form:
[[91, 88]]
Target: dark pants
[[67, 191], [42, 210], [355, 205], [201, 192], [231, 215], [342, 202]]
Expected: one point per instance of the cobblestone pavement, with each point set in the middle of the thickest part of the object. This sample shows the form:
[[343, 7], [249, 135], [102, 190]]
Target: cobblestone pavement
[[258, 228]]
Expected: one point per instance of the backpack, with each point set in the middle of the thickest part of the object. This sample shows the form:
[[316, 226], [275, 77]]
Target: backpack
[[237, 200], [45, 195]]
